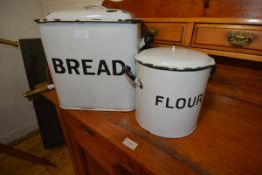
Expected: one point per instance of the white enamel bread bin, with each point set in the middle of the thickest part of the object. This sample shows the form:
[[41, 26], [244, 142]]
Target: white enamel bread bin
[[171, 87], [86, 50]]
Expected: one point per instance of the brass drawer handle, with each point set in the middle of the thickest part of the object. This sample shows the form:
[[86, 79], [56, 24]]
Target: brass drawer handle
[[239, 39], [152, 30]]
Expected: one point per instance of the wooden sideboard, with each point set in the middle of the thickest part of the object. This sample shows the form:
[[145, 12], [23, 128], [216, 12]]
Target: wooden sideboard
[[217, 27], [239, 60], [228, 137], [205, 25], [226, 141], [231, 37]]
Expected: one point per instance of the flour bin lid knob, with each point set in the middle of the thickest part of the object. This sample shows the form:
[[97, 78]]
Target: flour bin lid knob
[[174, 58]]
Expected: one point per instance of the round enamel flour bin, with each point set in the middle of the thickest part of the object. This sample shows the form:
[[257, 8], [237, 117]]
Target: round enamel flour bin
[[172, 83]]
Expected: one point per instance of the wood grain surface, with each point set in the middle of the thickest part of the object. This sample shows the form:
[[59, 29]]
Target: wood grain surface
[[226, 141], [190, 8], [238, 79]]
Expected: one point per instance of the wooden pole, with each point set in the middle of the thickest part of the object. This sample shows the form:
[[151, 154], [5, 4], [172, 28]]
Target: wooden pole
[[8, 42]]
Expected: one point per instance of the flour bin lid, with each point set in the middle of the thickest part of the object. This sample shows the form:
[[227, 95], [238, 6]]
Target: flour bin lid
[[90, 14], [175, 58]]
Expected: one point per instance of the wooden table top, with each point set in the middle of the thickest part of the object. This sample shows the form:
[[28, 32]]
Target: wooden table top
[[228, 139]]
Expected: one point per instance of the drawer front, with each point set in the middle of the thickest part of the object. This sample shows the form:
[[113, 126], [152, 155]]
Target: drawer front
[[88, 143], [109, 157], [168, 33], [235, 38]]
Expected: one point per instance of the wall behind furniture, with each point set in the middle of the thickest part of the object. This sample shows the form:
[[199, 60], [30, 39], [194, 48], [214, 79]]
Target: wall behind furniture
[[17, 115]]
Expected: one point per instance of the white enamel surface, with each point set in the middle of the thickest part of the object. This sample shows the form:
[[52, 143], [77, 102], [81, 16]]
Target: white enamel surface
[[158, 119], [92, 13], [175, 57], [96, 41]]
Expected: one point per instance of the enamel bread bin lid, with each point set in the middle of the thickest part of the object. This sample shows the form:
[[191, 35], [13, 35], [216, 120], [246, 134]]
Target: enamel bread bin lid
[[175, 58], [89, 13]]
